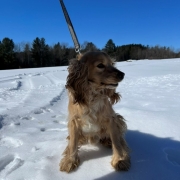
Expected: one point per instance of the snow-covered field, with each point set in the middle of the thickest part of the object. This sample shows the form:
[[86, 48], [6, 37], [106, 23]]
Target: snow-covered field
[[33, 113]]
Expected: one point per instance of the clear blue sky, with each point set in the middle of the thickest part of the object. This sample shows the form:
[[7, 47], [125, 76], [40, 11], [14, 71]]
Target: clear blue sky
[[152, 22]]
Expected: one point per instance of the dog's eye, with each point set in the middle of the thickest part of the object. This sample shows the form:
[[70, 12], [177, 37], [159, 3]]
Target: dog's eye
[[101, 66]]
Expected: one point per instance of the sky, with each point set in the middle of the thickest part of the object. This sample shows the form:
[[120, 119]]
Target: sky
[[154, 22]]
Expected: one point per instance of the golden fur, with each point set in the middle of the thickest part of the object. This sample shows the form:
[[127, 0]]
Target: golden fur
[[91, 85]]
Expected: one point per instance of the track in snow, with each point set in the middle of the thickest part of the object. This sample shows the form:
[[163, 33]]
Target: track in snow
[[35, 111]]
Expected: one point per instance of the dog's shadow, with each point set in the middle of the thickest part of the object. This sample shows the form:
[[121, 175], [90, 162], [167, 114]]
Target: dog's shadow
[[151, 157]]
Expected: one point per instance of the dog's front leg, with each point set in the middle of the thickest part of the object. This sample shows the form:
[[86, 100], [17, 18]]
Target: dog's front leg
[[71, 160], [120, 160]]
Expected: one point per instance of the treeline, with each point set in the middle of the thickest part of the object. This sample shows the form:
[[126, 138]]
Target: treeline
[[40, 54], [139, 51], [31, 55]]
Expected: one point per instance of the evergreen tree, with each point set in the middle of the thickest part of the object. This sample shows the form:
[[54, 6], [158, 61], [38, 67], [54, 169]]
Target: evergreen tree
[[40, 53], [61, 54], [27, 55], [1, 57], [7, 55], [110, 48], [89, 46], [57, 54]]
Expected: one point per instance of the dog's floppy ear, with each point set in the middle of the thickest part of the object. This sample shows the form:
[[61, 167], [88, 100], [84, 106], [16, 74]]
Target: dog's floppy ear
[[77, 81], [113, 95]]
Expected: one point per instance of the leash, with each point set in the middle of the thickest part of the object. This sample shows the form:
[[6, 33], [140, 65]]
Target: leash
[[71, 28]]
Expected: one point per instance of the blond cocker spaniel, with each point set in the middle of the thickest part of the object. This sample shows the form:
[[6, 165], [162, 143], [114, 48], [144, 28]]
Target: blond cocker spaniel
[[91, 85]]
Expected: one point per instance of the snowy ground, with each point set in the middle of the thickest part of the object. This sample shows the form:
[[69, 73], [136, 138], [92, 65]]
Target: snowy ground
[[33, 112]]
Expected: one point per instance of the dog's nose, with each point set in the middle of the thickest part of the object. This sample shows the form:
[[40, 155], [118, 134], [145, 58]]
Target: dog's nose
[[121, 75]]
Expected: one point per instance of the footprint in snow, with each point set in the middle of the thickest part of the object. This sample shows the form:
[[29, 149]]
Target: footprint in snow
[[56, 121], [56, 116], [48, 110], [42, 129], [10, 142], [17, 123], [35, 148], [42, 110], [60, 122], [4, 161], [27, 118], [18, 86], [9, 163], [53, 129], [1, 119], [173, 156], [39, 111]]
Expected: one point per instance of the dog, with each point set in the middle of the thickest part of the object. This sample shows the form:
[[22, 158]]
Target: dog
[[91, 85]]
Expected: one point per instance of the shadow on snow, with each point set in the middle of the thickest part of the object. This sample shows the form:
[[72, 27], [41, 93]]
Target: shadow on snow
[[152, 158]]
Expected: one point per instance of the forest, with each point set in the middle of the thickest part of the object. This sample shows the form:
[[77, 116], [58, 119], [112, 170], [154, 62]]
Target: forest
[[40, 54]]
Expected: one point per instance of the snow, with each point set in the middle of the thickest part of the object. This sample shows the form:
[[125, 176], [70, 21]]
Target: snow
[[33, 124]]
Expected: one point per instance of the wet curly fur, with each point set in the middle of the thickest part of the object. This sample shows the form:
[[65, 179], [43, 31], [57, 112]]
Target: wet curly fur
[[91, 85]]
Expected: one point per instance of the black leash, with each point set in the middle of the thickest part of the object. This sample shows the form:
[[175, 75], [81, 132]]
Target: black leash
[[70, 26]]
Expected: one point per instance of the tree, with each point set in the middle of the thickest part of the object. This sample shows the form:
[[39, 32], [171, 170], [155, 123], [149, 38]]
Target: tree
[[40, 53], [57, 54], [1, 57], [88, 46], [110, 48], [7, 55], [27, 55], [61, 53], [18, 49]]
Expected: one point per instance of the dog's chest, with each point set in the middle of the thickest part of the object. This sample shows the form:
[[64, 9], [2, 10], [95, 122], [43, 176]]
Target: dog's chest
[[91, 119], [89, 126]]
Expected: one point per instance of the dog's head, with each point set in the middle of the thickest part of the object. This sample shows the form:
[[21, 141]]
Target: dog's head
[[95, 69]]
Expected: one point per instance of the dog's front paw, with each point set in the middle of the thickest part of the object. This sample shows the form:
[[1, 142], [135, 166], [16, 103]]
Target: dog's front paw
[[69, 164], [121, 165]]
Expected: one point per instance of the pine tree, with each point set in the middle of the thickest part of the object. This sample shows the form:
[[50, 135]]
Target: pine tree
[[27, 55], [7, 55], [110, 48], [89, 46], [40, 53]]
